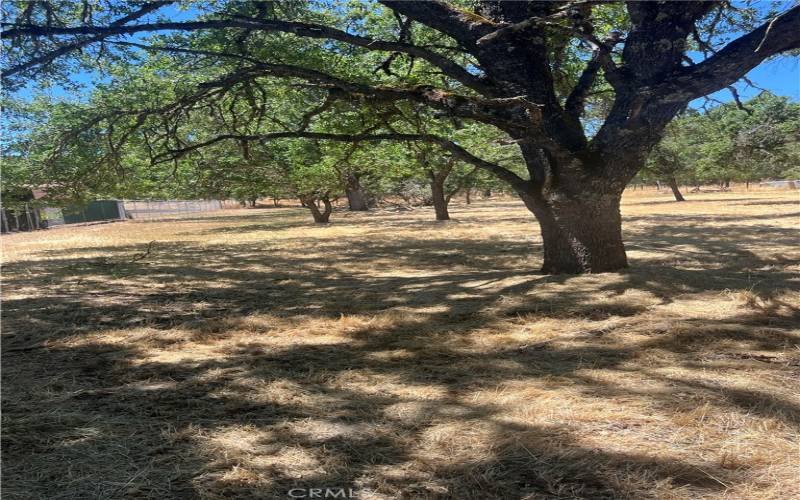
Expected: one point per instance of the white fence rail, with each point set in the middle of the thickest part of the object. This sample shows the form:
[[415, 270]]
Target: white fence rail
[[164, 209], [789, 184]]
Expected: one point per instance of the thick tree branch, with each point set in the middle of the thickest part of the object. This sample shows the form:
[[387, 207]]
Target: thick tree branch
[[492, 111], [740, 56], [504, 113], [549, 18], [657, 41], [466, 27], [575, 101]]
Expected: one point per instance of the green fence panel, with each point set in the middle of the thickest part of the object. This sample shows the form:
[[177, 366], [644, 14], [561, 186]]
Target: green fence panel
[[95, 211]]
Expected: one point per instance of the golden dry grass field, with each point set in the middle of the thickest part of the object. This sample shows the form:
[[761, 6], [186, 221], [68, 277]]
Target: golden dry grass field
[[251, 352]]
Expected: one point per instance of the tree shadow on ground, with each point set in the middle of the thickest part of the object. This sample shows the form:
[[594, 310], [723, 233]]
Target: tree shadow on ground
[[226, 415]]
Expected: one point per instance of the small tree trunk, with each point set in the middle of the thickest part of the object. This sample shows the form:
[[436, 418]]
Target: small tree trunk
[[28, 219], [356, 198], [467, 195], [580, 235], [320, 217], [439, 199], [328, 208], [673, 184], [37, 221]]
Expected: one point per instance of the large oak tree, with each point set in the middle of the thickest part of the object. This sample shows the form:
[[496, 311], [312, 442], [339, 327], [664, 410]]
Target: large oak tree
[[531, 69]]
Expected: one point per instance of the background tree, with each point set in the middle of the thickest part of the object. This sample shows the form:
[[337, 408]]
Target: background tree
[[744, 142], [758, 140]]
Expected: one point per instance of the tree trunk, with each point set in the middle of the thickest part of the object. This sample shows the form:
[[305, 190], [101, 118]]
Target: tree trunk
[[439, 199], [580, 235], [673, 184], [37, 221], [466, 195], [356, 198], [28, 219], [320, 217]]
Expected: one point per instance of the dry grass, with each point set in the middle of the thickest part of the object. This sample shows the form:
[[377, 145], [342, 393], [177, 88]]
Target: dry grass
[[252, 352]]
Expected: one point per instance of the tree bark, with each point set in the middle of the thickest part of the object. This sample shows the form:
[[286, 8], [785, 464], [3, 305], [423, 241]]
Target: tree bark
[[673, 184], [28, 219], [320, 216], [581, 235], [37, 221], [440, 201], [356, 198]]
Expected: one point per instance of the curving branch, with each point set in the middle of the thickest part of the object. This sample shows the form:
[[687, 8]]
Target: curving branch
[[308, 30], [601, 58], [457, 151], [66, 49], [464, 26], [504, 113], [737, 58]]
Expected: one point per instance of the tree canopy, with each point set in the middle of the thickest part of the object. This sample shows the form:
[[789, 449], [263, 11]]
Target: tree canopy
[[758, 139]]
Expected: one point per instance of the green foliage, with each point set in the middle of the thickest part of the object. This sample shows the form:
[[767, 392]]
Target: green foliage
[[728, 143]]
